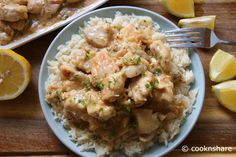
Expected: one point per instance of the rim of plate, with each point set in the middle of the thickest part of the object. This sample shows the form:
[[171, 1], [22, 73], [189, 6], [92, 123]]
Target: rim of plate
[[41, 84]]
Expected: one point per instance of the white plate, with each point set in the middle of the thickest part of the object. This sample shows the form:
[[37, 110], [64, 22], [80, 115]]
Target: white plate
[[41, 32]]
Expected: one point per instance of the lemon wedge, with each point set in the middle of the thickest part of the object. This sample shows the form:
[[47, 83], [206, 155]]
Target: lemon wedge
[[179, 8], [203, 21], [14, 74], [226, 94], [222, 66]]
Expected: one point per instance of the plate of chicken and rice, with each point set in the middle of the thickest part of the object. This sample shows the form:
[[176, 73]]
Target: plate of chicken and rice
[[110, 85]]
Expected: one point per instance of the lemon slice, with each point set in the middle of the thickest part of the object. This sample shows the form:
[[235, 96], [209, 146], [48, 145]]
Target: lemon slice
[[222, 66], [179, 8], [226, 94], [14, 74], [203, 21]]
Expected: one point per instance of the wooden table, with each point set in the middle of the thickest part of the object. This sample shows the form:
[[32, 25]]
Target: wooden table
[[24, 131]]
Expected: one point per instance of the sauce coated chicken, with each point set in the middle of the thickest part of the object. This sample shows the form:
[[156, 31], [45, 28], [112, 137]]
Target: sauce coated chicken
[[27, 16], [117, 80]]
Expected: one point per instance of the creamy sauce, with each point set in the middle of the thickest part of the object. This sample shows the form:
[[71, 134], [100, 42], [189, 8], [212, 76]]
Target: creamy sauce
[[37, 22]]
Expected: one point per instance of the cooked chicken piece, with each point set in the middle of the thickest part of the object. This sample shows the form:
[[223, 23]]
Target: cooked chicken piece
[[19, 25], [164, 91], [74, 100], [120, 53], [103, 65], [67, 71], [97, 108], [98, 36], [13, 12], [113, 86], [118, 50], [134, 70], [175, 111], [146, 120], [74, 104], [132, 34], [130, 59], [64, 86], [35, 6], [79, 115], [53, 94], [72, 1], [153, 65], [140, 88], [4, 38], [51, 7], [68, 91], [142, 54], [56, 1], [70, 73], [6, 33], [22, 2], [83, 59], [164, 81], [160, 51]]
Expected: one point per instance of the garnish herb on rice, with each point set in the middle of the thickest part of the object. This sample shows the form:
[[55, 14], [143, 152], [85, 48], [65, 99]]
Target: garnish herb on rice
[[87, 85], [77, 76], [158, 71], [101, 110], [88, 54], [152, 85], [81, 101], [128, 61], [112, 82], [148, 86], [100, 85], [143, 74], [155, 84], [58, 94]]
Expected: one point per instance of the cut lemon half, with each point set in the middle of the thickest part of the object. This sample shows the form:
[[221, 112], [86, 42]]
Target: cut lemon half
[[14, 74], [203, 22], [179, 8], [222, 66], [226, 94]]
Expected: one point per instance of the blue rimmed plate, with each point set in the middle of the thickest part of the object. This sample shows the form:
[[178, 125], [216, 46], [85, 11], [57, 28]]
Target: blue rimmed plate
[[65, 35]]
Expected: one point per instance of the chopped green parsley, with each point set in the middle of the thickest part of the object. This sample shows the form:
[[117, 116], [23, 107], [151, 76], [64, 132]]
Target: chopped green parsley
[[128, 61], [58, 94], [148, 86], [77, 76], [100, 85]]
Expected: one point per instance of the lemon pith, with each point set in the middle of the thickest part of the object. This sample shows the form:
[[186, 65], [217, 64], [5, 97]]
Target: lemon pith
[[14, 74]]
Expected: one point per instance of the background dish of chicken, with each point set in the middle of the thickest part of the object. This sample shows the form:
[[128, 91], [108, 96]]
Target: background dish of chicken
[[24, 20]]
